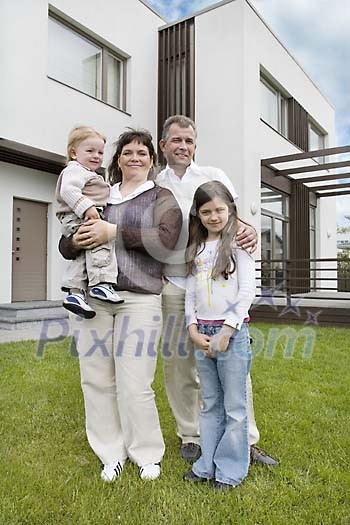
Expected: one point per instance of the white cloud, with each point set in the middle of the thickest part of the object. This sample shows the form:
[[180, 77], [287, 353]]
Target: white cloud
[[175, 9], [317, 34]]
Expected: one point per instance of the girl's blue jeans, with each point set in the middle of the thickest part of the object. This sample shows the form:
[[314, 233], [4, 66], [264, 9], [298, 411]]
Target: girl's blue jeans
[[224, 418]]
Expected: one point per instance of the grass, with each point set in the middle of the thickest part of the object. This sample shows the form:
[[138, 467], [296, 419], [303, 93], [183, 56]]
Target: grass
[[50, 476]]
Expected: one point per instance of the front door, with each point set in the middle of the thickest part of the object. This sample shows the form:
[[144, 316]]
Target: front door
[[29, 250]]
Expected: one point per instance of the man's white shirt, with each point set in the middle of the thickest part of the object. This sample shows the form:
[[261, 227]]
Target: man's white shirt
[[184, 189]]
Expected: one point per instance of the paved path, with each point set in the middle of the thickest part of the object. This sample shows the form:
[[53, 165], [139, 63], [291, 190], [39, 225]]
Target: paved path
[[50, 331]]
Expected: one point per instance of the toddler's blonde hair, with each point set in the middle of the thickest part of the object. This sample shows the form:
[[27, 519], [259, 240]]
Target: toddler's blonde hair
[[79, 134]]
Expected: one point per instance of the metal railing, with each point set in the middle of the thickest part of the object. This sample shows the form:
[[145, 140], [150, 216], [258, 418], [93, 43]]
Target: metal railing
[[303, 277]]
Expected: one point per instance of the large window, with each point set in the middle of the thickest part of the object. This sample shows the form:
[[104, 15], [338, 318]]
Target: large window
[[80, 62], [274, 107], [274, 234], [316, 140]]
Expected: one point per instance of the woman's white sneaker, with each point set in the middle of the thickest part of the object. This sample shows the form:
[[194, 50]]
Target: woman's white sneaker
[[112, 471], [150, 471]]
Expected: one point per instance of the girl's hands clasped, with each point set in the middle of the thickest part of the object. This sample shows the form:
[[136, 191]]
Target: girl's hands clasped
[[220, 341], [217, 343], [202, 341]]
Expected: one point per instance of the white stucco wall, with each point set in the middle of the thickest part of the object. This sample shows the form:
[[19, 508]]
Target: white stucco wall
[[39, 112], [37, 186], [232, 44], [219, 111]]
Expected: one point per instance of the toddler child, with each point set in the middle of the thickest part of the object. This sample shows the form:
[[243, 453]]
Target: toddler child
[[81, 194]]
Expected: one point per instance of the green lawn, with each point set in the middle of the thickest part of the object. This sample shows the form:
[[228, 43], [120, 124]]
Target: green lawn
[[50, 476]]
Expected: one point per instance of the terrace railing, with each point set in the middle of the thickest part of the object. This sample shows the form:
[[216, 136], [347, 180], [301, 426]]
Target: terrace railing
[[296, 277]]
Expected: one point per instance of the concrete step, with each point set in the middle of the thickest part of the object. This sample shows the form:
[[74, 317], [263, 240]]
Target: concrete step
[[30, 314]]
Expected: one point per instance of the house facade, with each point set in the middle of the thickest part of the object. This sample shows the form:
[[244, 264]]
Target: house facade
[[67, 63], [71, 63]]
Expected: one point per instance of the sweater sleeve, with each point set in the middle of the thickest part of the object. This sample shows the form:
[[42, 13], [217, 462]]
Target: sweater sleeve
[[245, 268], [161, 238], [66, 248], [74, 178]]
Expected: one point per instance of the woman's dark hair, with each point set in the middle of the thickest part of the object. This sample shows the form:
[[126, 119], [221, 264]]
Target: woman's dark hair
[[225, 263], [142, 136]]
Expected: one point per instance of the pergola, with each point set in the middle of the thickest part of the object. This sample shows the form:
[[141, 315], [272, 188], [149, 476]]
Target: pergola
[[298, 170], [305, 178]]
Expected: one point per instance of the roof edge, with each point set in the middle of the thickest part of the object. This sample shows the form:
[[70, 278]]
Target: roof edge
[[154, 11], [289, 53], [196, 13]]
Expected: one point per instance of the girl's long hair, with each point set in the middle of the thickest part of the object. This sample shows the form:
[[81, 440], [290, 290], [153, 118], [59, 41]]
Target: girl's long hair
[[225, 263]]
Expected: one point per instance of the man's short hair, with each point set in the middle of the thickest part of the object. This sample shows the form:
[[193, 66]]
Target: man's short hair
[[180, 120]]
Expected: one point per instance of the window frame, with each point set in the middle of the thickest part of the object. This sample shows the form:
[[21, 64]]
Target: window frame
[[313, 127], [106, 51], [273, 279], [282, 107]]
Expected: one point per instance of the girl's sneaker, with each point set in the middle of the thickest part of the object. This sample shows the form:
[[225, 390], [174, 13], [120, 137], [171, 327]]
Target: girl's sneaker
[[112, 471], [77, 304], [150, 471], [105, 292]]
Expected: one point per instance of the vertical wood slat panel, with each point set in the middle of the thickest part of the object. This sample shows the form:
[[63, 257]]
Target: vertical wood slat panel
[[300, 238], [161, 77], [168, 87], [180, 31], [298, 126], [176, 79]]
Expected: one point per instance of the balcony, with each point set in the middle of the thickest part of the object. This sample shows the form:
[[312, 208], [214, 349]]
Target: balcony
[[304, 291]]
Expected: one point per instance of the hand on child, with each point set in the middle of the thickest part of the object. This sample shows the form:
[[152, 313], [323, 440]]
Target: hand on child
[[220, 341], [91, 213], [93, 233], [247, 238]]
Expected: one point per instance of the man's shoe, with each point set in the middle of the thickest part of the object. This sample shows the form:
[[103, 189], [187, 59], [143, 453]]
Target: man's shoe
[[190, 452], [191, 476], [219, 486], [105, 292], [257, 455], [77, 304]]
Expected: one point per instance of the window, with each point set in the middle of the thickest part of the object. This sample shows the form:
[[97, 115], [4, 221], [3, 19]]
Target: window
[[316, 140], [79, 61], [274, 107], [274, 233]]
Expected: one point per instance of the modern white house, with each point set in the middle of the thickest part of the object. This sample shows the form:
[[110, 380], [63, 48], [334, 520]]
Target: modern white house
[[64, 64], [67, 63]]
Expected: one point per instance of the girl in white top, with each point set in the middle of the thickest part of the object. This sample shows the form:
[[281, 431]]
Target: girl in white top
[[220, 290]]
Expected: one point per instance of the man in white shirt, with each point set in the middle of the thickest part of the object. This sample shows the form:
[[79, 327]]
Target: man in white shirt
[[182, 176]]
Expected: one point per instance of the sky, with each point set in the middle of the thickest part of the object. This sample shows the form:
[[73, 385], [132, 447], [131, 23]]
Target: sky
[[317, 33]]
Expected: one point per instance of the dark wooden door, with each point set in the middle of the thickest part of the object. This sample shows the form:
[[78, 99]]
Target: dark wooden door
[[29, 250]]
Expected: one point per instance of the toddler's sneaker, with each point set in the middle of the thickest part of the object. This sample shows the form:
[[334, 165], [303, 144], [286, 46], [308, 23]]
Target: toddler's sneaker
[[105, 292], [150, 471], [77, 304], [112, 471]]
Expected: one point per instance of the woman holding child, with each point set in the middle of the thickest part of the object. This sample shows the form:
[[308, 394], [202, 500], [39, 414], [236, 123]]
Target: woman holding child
[[118, 347]]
